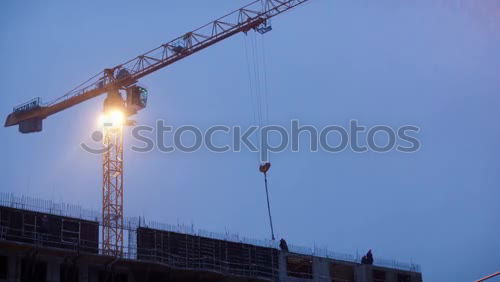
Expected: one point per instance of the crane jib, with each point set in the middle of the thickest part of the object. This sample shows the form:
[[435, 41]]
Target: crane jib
[[254, 16]]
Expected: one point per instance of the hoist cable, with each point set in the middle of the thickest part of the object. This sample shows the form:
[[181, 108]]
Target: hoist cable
[[260, 92], [252, 93], [250, 82], [269, 207], [256, 68], [266, 89]]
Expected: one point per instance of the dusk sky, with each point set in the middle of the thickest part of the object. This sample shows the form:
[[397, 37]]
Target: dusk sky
[[430, 64]]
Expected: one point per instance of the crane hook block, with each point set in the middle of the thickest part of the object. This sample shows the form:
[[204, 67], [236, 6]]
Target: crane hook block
[[264, 167]]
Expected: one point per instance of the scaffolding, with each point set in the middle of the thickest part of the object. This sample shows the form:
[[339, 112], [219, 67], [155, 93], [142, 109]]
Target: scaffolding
[[76, 230], [188, 252]]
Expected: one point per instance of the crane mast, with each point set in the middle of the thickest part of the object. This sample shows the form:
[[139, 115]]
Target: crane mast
[[112, 191], [123, 78]]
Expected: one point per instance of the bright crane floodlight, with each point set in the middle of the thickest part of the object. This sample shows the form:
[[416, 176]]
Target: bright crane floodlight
[[113, 118]]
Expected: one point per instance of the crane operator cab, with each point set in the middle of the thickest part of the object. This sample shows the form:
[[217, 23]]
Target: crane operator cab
[[137, 98]]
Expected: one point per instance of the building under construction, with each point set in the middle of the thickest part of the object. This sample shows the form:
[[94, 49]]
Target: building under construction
[[44, 242]]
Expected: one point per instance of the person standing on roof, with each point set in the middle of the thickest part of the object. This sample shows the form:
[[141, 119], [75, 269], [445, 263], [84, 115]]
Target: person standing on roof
[[369, 257]]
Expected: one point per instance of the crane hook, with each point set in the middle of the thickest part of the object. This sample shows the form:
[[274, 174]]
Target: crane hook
[[265, 167]]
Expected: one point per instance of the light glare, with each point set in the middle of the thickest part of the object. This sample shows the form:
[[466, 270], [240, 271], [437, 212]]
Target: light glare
[[112, 119]]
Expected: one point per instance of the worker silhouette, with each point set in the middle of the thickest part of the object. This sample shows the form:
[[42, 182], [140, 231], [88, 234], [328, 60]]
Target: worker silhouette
[[368, 258], [283, 245]]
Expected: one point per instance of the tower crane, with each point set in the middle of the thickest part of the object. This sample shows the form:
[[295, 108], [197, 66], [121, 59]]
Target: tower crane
[[125, 98]]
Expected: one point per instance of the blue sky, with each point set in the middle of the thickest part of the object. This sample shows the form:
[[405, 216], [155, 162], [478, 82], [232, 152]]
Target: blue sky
[[433, 64]]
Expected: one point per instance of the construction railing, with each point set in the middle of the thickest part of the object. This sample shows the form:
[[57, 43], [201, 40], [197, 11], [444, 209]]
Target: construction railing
[[132, 224]]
